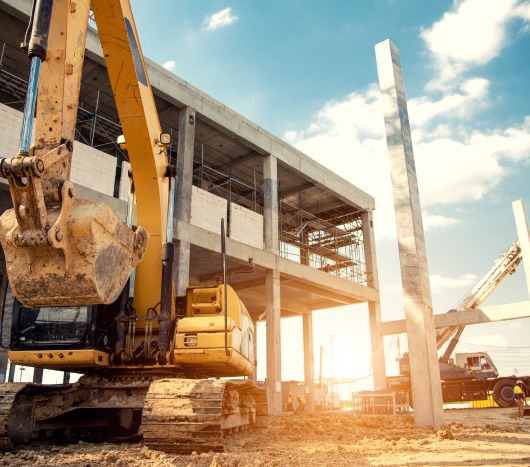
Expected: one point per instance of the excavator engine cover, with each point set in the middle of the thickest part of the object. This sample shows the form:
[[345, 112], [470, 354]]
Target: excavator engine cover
[[85, 257]]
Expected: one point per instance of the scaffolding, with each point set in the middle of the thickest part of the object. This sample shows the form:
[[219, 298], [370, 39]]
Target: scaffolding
[[331, 242]]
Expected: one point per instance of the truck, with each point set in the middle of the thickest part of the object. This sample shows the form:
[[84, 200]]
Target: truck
[[470, 376], [95, 295]]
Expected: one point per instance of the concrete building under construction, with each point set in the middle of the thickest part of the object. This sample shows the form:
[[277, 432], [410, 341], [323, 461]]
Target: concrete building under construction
[[300, 238]]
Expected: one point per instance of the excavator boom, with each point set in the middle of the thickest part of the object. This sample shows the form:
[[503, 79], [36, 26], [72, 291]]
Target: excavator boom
[[59, 250]]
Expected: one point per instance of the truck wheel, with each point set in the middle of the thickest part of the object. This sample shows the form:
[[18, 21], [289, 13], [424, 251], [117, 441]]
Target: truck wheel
[[503, 393]]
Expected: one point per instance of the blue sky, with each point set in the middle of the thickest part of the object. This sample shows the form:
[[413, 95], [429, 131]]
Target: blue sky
[[306, 71]]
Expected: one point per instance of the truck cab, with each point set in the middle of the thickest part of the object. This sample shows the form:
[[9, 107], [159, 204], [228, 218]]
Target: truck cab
[[478, 364]]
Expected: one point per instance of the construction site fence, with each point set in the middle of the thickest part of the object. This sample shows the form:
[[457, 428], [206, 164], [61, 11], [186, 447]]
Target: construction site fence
[[390, 403]]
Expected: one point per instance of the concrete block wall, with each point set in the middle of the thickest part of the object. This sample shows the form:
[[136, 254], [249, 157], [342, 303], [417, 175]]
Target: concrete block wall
[[90, 167], [246, 226], [10, 124], [207, 210], [93, 169], [96, 170], [124, 181]]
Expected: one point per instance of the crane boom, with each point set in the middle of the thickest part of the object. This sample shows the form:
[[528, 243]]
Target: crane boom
[[503, 267]]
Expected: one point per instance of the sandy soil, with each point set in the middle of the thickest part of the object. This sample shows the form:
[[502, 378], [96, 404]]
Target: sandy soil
[[470, 437]]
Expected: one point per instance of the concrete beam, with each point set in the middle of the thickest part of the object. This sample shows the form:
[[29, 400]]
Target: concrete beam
[[211, 241], [489, 314], [285, 304]]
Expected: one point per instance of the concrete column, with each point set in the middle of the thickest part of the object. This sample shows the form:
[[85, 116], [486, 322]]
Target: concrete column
[[426, 387], [521, 222], [11, 375], [274, 363], [183, 193], [254, 377], [7, 312], [272, 285], [309, 361], [270, 204], [37, 375], [374, 308]]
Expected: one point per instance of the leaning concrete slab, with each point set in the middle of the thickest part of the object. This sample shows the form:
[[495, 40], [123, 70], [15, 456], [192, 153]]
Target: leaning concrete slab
[[488, 314], [426, 386]]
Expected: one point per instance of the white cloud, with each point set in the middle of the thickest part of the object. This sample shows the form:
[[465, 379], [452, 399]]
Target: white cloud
[[170, 65], [220, 19], [448, 171], [473, 33], [456, 104], [431, 221], [347, 136], [440, 283]]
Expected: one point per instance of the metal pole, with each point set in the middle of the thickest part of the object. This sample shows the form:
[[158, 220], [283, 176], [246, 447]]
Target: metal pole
[[202, 164], [93, 129], [3, 51], [331, 369]]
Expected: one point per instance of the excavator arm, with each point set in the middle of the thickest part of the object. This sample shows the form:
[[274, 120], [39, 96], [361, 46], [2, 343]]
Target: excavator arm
[[64, 251]]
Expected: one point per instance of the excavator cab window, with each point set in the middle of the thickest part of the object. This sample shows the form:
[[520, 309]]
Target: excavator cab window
[[42, 327], [79, 327]]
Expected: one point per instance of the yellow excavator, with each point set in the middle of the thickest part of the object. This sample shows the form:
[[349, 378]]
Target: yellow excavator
[[94, 294]]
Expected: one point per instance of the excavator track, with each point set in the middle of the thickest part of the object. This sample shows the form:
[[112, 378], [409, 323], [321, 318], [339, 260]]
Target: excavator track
[[8, 394], [197, 415], [173, 414]]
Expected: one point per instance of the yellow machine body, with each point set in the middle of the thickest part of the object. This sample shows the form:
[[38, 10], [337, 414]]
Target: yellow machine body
[[63, 251]]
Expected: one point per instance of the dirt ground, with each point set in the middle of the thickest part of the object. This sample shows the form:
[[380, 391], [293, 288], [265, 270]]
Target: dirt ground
[[470, 437]]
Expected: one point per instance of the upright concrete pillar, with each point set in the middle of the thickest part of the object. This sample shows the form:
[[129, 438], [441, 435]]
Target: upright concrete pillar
[[272, 284], [38, 373], [254, 377], [11, 374], [374, 308], [271, 204], [183, 194], [309, 361], [521, 222], [274, 362], [425, 372], [6, 315]]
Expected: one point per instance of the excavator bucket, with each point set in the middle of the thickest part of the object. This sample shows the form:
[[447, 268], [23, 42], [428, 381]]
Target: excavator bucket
[[85, 257]]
